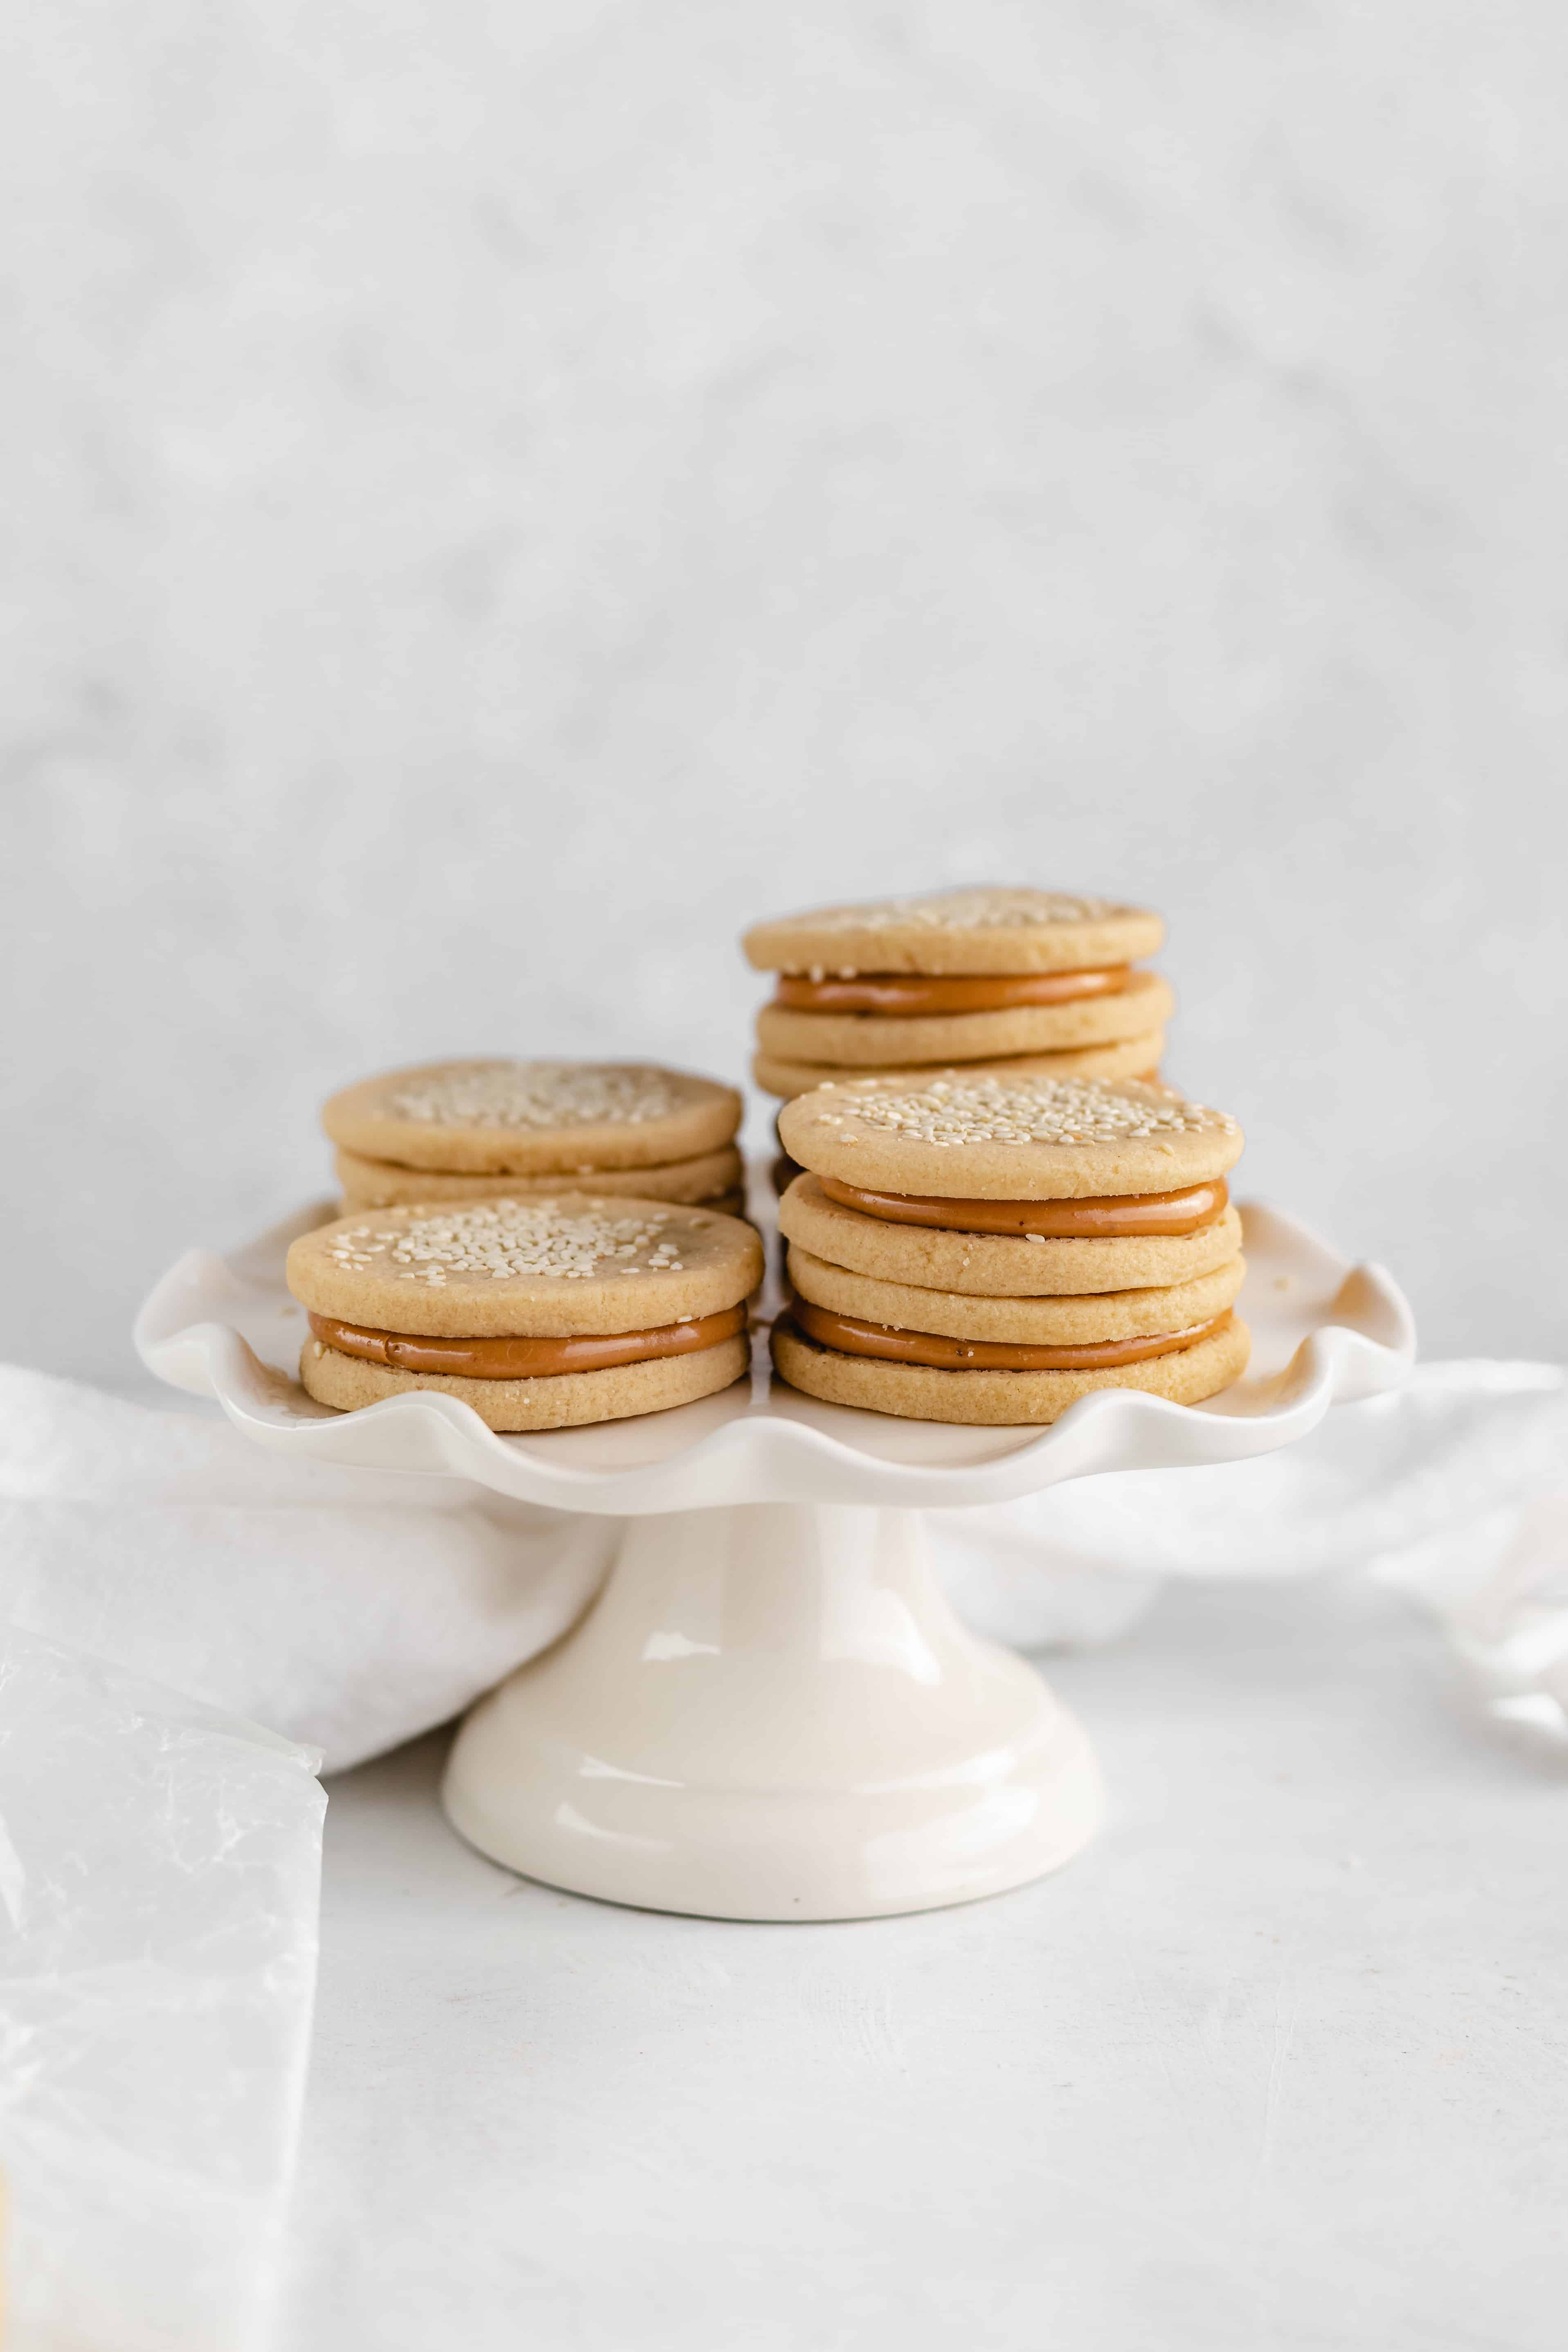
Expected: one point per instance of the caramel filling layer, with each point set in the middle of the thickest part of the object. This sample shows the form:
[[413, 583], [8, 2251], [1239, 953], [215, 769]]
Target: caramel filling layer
[[1134, 1214], [851, 1337], [894, 992], [522, 1359]]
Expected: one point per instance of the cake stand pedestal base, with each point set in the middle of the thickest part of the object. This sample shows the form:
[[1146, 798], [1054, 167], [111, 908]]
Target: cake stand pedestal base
[[772, 1713]]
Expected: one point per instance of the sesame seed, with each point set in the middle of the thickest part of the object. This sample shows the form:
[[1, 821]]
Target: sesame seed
[[491, 1239], [538, 1095], [963, 910], [958, 1112]]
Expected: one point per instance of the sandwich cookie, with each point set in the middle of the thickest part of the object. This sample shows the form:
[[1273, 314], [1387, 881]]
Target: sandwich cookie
[[487, 1129], [540, 1313], [966, 976], [985, 1250]]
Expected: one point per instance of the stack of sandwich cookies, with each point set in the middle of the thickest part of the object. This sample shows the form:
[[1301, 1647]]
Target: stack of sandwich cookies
[[539, 1313], [989, 1250], [1041, 982], [479, 1130]]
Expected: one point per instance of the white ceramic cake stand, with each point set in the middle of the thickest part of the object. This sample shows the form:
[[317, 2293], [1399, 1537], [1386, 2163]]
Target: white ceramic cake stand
[[771, 1712]]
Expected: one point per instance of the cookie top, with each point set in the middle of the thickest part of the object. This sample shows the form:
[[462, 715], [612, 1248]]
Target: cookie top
[[545, 1118], [990, 929], [961, 1136], [531, 1268]]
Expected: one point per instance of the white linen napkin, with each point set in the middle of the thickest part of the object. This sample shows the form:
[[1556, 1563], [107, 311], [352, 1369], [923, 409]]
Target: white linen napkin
[[351, 1609], [1455, 1488]]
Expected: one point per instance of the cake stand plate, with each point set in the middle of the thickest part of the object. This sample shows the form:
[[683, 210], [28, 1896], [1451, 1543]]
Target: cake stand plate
[[770, 1712]]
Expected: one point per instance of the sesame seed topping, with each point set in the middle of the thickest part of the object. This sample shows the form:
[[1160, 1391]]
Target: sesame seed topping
[[964, 910], [495, 1239], [538, 1095], [958, 1111]]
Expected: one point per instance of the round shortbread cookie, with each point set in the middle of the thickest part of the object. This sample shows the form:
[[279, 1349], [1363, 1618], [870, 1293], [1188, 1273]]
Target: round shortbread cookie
[[381, 1184], [860, 1040], [918, 1392], [962, 1136], [1134, 1058], [1071, 1322], [986, 929], [536, 1268], [998, 1265], [542, 1119], [554, 1400]]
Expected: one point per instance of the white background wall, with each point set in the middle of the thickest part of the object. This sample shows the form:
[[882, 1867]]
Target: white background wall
[[498, 496]]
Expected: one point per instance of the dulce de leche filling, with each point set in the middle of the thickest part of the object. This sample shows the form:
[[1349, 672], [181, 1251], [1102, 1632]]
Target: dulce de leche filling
[[896, 992], [1132, 1214], [521, 1360], [851, 1337]]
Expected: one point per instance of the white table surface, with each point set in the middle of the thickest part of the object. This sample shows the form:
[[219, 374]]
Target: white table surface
[[1281, 2063]]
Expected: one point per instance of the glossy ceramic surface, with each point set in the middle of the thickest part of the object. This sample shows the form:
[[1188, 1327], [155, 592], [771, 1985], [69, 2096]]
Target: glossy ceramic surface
[[772, 1713]]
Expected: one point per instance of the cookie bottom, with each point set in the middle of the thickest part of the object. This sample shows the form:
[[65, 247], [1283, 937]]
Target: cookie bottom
[[1143, 1003], [918, 1392], [707, 1180], [1134, 1058], [554, 1400], [1077, 1319]]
